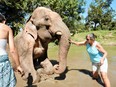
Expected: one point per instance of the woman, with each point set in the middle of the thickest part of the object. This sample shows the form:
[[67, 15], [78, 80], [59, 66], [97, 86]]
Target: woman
[[7, 76], [97, 56]]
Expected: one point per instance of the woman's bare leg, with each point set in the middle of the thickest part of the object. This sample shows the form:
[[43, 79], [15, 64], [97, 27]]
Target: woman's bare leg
[[105, 79]]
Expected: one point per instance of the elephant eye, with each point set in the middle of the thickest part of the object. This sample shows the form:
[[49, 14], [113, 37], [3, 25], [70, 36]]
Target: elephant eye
[[46, 19]]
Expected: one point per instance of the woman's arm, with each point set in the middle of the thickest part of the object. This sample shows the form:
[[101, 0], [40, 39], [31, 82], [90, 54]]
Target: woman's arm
[[101, 49], [13, 51], [78, 43]]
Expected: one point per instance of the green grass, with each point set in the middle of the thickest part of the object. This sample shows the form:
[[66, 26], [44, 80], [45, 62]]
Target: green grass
[[105, 37]]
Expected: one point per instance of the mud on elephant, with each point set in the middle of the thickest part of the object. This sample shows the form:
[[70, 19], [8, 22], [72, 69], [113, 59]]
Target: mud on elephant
[[43, 27]]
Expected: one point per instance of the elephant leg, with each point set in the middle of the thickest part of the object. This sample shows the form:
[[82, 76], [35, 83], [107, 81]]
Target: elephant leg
[[47, 65], [28, 67], [26, 58], [37, 53]]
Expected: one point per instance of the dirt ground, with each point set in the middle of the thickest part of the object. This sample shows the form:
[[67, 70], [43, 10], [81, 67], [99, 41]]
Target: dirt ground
[[77, 74]]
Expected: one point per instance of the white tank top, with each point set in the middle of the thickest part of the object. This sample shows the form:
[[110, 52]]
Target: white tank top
[[3, 43]]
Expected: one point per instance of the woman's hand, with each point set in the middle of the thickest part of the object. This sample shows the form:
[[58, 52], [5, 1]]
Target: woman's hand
[[71, 41], [101, 61], [20, 70]]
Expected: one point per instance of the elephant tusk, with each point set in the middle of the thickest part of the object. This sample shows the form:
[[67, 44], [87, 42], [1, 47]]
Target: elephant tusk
[[58, 33]]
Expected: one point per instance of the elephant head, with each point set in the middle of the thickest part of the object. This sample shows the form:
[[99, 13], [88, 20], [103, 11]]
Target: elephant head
[[50, 27]]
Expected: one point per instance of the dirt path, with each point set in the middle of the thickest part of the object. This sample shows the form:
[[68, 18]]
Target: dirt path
[[77, 75]]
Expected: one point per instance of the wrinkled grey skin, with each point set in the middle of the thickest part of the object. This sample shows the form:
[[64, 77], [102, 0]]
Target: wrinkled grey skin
[[43, 27]]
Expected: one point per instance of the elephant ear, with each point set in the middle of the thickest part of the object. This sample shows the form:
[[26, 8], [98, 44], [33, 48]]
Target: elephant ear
[[31, 29]]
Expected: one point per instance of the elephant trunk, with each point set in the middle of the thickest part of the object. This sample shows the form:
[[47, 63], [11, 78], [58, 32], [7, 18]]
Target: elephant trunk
[[63, 51]]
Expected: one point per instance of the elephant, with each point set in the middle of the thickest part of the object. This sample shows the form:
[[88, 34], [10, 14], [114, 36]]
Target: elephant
[[43, 26]]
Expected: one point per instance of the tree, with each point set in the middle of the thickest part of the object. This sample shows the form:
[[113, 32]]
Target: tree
[[16, 11], [100, 14]]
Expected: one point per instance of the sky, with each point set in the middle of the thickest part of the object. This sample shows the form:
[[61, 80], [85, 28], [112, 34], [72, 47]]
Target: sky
[[113, 5]]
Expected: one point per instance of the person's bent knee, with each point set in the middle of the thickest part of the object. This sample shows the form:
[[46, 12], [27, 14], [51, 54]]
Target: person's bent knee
[[95, 74]]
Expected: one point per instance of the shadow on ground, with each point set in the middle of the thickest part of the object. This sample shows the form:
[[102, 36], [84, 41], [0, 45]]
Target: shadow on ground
[[87, 72], [84, 71], [30, 81]]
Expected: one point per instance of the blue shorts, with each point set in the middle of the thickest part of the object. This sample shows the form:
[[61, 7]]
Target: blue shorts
[[7, 76]]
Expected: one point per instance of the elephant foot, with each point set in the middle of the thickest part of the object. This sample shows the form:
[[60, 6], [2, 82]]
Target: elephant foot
[[48, 67], [59, 70], [36, 78], [43, 75]]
